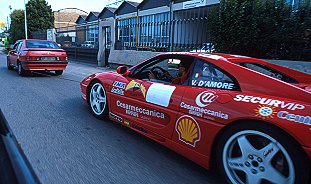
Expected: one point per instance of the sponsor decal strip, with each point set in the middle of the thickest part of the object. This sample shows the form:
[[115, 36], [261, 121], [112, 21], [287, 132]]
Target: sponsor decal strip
[[119, 84], [117, 91], [116, 117], [268, 102], [199, 111], [135, 111], [295, 118]]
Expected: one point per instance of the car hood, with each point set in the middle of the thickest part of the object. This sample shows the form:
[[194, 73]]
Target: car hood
[[306, 87]]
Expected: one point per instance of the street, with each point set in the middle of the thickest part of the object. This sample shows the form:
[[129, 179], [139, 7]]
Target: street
[[65, 144]]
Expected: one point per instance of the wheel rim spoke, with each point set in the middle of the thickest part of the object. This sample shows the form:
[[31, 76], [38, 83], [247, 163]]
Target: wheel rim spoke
[[236, 164], [245, 146], [269, 151], [98, 107], [252, 178], [275, 176]]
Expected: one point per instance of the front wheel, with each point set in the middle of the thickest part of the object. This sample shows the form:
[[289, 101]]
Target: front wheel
[[261, 154], [98, 100], [59, 72]]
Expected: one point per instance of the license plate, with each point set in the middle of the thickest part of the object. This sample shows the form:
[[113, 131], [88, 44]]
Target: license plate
[[48, 58]]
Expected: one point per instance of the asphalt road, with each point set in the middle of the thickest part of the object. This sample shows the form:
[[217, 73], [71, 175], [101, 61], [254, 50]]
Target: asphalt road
[[66, 144]]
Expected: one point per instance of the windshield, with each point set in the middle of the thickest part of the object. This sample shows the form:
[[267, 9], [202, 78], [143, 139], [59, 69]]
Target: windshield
[[269, 71], [41, 44]]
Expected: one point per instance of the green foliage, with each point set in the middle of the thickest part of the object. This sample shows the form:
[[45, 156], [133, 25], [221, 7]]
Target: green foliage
[[265, 29], [39, 16], [17, 28]]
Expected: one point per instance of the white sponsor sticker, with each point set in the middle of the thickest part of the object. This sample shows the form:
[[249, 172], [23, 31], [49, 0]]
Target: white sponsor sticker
[[269, 102], [205, 98], [160, 94]]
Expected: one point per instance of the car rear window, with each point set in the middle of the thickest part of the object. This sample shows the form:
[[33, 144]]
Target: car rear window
[[269, 72], [41, 44]]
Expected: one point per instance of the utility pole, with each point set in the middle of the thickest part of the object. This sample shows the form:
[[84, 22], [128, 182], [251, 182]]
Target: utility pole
[[9, 23], [26, 34]]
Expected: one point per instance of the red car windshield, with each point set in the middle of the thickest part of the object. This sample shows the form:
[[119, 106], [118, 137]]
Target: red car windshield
[[41, 44]]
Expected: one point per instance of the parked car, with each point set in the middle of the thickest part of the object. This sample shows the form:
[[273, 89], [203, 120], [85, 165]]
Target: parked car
[[88, 44], [249, 118], [37, 55]]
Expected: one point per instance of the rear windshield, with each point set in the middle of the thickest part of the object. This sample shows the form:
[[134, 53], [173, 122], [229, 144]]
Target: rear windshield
[[41, 44], [269, 71]]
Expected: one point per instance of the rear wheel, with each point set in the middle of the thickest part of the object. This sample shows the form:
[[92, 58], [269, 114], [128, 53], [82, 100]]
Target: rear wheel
[[98, 100], [8, 65], [59, 72], [261, 154], [21, 70]]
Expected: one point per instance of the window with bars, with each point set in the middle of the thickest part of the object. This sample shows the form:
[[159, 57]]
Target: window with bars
[[154, 30], [92, 33], [127, 32]]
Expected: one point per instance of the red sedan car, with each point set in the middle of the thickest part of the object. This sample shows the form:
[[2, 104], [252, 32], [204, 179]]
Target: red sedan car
[[37, 55], [249, 118]]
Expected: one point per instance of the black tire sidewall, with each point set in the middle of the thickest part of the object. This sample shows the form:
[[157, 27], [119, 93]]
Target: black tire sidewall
[[59, 72], [104, 114], [22, 71], [295, 151]]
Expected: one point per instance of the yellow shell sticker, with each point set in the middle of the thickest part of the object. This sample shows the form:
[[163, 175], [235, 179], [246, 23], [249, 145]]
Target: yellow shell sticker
[[188, 130]]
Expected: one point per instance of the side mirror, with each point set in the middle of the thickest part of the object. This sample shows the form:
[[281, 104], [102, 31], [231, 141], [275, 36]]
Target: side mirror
[[123, 70]]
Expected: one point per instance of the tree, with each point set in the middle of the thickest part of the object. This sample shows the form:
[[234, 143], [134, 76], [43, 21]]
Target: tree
[[39, 16], [17, 28], [265, 29], [2, 24]]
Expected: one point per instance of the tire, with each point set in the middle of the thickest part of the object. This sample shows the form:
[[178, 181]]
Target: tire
[[20, 70], [98, 101], [59, 72], [8, 65], [253, 153]]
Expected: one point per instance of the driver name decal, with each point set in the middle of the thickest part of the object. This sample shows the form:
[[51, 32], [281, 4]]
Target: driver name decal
[[136, 111], [212, 84]]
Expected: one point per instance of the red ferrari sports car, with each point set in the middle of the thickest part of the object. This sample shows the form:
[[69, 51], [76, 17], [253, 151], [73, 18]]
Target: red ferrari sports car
[[249, 118], [37, 55]]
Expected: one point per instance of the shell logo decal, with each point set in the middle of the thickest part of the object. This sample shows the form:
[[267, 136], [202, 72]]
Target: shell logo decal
[[188, 130]]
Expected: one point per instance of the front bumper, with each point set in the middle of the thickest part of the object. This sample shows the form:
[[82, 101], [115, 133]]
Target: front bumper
[[48, 65], [84, 91]]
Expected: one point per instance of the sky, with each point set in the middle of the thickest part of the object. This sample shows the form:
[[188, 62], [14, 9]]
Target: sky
[[86, 5]]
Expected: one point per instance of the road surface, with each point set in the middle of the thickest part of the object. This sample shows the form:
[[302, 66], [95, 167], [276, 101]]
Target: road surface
[[66, 144]]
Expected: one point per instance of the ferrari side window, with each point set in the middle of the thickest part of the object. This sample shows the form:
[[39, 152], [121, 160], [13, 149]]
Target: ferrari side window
[[207, 75]]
